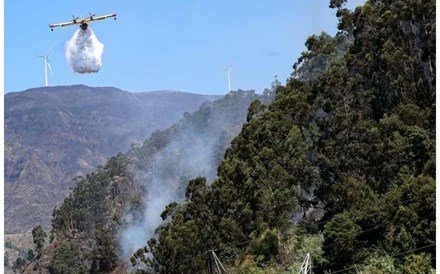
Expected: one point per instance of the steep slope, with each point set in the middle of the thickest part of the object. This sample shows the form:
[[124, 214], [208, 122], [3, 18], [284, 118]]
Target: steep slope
[[191, 148], [355, 138], [56, 133], [123, 199]]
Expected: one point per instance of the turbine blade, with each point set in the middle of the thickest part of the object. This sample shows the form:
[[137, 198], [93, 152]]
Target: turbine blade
[[50, 67], [50, 49]]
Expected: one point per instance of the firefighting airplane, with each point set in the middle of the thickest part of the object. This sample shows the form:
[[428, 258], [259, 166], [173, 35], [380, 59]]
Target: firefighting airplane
[[83, 23]]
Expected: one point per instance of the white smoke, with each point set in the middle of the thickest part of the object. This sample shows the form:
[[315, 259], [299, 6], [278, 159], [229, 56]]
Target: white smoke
[[190, 153], [136, 235], [84, 51]]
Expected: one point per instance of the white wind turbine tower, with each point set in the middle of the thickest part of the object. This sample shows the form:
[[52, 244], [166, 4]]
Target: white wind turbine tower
[[229, 71], [46, 65]]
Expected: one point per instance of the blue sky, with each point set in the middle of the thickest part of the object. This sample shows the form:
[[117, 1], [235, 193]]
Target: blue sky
[[167, 44]]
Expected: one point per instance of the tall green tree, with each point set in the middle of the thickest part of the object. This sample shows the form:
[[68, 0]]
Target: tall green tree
[[39, 238]]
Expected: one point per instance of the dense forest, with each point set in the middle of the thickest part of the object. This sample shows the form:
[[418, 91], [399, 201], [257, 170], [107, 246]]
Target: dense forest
[[340, 165], [350, 139]]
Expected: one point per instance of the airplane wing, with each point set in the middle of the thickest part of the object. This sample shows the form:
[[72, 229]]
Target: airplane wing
[[96, 18], [78, 21], [63, 24]]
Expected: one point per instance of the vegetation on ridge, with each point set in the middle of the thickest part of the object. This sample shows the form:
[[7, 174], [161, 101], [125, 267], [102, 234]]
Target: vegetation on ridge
[[353, 135]]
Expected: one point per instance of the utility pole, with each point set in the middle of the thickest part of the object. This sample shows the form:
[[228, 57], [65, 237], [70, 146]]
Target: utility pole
[[306, 267]]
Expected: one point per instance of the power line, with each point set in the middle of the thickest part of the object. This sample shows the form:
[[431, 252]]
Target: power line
[[396, 255], [415, 249], [210, 251], [377, 213], [386, 222]]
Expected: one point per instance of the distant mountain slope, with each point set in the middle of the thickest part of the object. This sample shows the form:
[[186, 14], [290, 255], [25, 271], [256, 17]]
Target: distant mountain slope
[[117, 207], [56, 133]]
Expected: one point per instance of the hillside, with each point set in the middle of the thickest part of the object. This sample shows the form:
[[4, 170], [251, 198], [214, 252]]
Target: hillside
[[116, 208], [351, 135], [53, 134]]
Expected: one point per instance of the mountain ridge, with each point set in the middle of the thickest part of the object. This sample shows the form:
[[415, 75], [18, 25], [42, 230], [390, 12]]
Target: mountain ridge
[[53, 134]]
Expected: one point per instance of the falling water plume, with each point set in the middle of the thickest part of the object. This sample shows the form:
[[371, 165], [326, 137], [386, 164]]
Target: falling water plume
[[84, 51]]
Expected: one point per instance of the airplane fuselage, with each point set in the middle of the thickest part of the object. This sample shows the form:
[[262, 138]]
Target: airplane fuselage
[[83, 25]]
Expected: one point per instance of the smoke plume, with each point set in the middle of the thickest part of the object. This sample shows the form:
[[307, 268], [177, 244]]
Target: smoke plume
[[84, 51], [195, 149], [188, 155]]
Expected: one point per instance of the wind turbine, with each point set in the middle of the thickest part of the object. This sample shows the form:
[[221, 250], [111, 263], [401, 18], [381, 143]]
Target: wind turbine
[[46, 65], [229, 71]]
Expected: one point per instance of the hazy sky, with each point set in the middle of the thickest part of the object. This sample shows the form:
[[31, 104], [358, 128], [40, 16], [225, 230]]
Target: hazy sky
[[165, 44]]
